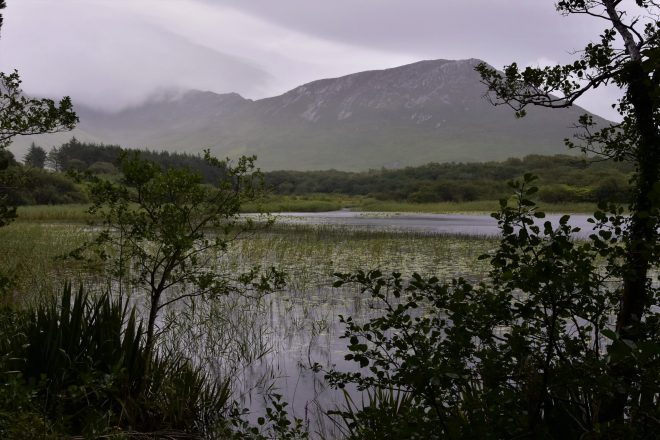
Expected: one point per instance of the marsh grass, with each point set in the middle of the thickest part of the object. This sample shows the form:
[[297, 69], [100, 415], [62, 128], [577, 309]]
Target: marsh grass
[[310, 203], [54, 214], [471, 207], [334, 202], [302, 203], [29, 258], [265, 343], [291, 329]]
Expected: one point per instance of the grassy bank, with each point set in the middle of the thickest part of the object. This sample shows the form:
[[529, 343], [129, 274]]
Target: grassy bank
[[333, 202], [54, 214], [476, 206], [310, 203]]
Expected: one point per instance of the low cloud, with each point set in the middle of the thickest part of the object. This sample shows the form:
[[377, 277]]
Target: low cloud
[[115, 53]]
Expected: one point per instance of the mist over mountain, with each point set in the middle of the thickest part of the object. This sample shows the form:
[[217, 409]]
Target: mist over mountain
[[409, 115]]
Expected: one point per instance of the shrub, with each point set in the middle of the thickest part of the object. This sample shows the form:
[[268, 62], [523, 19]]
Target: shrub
[[530, 352], [102, 168], [78, 366]]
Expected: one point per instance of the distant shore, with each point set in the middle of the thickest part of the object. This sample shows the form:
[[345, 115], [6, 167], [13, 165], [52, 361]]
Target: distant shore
[[324, 203]]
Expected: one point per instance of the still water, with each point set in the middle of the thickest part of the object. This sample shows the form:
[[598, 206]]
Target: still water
[[274, 341], [455, 224]]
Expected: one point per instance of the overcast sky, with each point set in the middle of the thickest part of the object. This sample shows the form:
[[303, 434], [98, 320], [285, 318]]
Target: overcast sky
[[114, 53]]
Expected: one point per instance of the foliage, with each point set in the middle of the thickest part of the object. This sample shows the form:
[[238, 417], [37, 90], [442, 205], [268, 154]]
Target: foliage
[[459, 182], [101, 167], [20, 115], [85, 156], [274, 425], [29, 185], [626, 56], [35, 157], [385, 413], [41, 187], [77, 365], [163, 228], [532, 352], [526, 354], [581, 179]]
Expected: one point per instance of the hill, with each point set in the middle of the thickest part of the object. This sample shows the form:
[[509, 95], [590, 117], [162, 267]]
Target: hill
[[430, 111]]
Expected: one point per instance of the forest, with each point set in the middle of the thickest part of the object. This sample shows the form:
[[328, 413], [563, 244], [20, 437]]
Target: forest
[[563, 178]]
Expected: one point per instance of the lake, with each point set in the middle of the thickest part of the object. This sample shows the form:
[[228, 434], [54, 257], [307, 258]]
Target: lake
[[455, 224], [267, 344], [279, 337]]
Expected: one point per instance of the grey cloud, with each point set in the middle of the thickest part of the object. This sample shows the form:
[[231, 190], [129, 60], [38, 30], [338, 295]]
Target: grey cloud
[[498, 31], [108, 61], [113, 53]]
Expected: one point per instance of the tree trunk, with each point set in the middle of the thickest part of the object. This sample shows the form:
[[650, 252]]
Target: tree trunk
[[643, 234], [151, 326]]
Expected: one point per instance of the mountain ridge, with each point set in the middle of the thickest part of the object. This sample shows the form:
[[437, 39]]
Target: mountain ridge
[[430, 110]]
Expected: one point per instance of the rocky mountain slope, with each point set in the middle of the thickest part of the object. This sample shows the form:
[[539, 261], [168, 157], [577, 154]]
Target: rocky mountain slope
[[409, 115]]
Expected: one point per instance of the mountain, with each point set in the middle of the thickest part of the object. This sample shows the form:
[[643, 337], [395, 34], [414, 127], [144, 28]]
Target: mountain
[[409, 115]]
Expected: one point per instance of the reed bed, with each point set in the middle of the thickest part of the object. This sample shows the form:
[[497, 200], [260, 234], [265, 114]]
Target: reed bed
[[30, 258], [311, 203], [54, 214], [265, 343]]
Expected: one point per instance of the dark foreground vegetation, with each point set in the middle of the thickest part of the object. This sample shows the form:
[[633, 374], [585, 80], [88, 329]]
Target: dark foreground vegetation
[[79, 365]]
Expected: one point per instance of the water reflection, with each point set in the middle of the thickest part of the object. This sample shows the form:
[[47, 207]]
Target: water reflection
[[269, 344], [455, 224]]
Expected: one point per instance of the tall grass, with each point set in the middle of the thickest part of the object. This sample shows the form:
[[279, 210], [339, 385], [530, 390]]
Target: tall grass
[[334, 202], [471, 207], [259, 340], [54, 214], [82, 369], [29, 259], [312, 203]]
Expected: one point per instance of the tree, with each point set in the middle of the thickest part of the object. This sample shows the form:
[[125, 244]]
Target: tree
[[7, 182], [164, 228], [21, 115], [530, 352], [3, 5], [628, 55], [53, 159], [35, 157]]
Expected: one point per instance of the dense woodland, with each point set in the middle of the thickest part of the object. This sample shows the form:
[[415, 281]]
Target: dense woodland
[[563, 178]]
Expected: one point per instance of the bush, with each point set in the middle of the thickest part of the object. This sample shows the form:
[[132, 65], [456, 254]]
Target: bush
[[560, 193], [528, 353], [36, 186], [102, 168], [612, 189], [78, 366], [75, 165]]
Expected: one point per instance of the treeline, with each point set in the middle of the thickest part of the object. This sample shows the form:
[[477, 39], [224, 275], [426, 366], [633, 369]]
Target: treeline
[[104, 159], [42, 178], [562, 179], [28, 185]]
